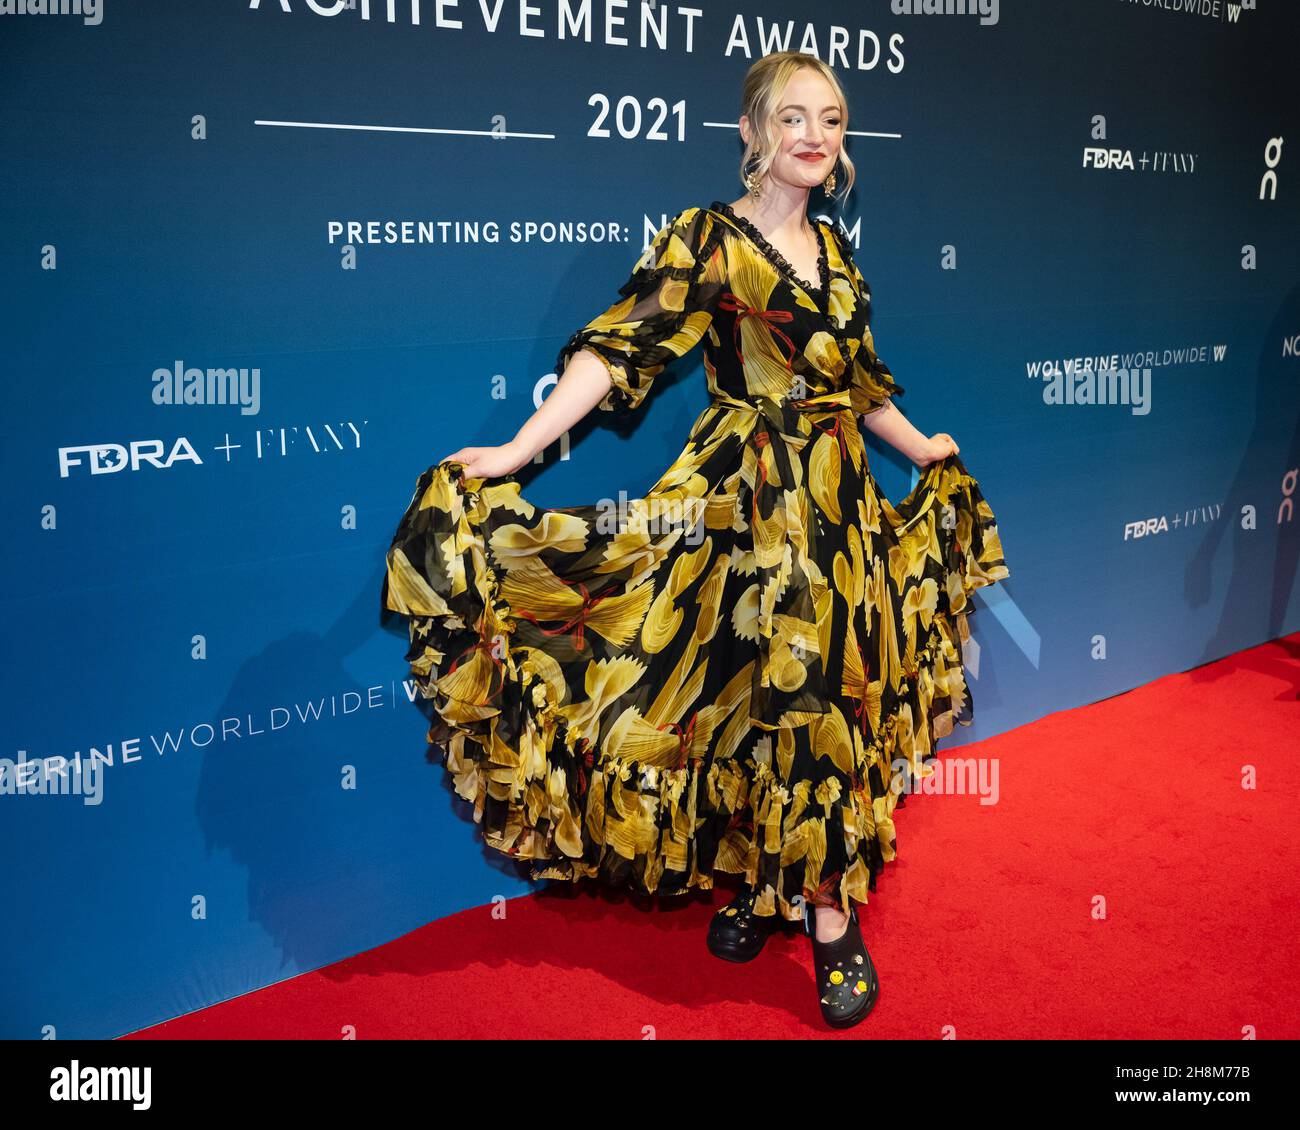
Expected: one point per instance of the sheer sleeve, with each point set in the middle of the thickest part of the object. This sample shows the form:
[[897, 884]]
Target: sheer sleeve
[[872, 385], [665, 308]]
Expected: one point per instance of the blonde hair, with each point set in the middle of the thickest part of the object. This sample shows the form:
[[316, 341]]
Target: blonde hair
[[764, 85]]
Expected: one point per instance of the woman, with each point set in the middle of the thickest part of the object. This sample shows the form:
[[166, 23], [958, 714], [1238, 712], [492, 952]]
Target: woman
[[742, 673]]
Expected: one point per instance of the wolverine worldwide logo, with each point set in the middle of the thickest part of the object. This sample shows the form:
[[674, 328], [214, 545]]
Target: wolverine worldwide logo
[[1219, 10]]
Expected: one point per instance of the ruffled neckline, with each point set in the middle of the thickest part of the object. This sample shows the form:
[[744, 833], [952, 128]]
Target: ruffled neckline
[[775, 257]]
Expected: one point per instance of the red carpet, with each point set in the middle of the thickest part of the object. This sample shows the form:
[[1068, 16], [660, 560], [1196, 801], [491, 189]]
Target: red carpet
[[984, 927]]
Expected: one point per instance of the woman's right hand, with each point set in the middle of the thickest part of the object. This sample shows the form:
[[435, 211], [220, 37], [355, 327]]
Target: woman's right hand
[[940, 446], [489, 462]]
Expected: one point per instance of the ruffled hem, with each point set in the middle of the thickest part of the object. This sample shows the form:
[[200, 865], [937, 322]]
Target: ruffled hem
[[536, 790]]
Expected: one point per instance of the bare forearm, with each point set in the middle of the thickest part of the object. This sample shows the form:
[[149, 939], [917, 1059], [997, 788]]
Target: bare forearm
[[896, 430], [581, 386]]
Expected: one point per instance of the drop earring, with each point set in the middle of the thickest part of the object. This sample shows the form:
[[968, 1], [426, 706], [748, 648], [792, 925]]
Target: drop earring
[[829, 183], [753, 181]]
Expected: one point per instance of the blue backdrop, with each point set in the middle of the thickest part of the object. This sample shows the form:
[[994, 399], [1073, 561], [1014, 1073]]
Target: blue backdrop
[[192, 589]]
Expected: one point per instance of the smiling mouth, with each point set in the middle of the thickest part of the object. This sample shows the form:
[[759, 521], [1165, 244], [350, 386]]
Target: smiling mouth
[[811, 156]]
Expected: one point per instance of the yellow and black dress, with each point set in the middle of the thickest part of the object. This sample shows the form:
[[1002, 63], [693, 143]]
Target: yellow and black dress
[[730, 673]]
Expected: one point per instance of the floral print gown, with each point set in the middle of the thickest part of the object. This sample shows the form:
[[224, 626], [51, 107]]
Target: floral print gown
[[740, 670]]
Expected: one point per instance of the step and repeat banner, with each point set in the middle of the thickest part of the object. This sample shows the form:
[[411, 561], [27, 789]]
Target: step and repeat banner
[[264, 262]]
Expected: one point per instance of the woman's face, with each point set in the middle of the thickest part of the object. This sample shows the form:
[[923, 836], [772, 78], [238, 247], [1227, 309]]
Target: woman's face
[[810, 127]]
